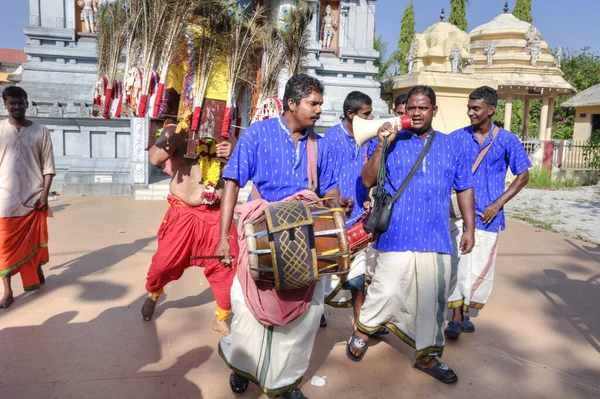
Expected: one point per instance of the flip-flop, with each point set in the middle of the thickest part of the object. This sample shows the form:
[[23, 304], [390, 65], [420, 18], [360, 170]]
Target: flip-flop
[[439, 372], [237, 383], [359, 343], [466, 325]]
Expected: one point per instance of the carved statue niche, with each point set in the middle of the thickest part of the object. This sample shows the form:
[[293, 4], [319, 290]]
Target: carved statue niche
[[89, 8], [489, 51], [558, 57], [456, 59], [533, 38], [329, 26]]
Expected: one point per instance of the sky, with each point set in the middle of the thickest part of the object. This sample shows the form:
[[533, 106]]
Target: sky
[[568, 23]]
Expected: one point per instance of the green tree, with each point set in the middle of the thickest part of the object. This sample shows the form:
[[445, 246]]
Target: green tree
[[458, 14], [522, 10], [385, 65], [407, 34]]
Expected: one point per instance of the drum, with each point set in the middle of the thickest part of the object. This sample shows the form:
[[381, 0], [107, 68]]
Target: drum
[[358, 238], [294, 243]]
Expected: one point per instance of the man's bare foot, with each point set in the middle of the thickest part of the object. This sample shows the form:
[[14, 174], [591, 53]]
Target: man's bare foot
[[148, 308], [222, 326], [7, 300]]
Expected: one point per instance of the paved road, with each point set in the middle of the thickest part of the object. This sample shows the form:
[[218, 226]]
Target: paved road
[[81, 336]]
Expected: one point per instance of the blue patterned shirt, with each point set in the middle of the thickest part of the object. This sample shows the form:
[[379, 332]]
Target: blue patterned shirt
[[349, 160], [421, 215], [266, 155], [489, 179]]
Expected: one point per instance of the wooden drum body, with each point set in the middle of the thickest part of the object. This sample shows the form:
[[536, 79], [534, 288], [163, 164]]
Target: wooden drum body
[[294, 243]]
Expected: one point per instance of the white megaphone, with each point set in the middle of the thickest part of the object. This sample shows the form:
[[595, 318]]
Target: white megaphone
[[365, 130]]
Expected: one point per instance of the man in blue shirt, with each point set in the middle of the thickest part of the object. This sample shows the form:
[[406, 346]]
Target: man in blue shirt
[[349, 160], [273, 154], [473, 273], [400, 105], [408, 291]]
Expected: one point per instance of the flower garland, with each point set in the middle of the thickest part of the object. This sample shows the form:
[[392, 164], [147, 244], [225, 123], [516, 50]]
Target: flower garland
[[211, 169]]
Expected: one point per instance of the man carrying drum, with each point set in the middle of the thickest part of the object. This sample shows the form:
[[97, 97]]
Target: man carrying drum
[[279, 156], [349, 159]]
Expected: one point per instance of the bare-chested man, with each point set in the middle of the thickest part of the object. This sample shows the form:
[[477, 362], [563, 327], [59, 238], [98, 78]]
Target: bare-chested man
[[189, 229]]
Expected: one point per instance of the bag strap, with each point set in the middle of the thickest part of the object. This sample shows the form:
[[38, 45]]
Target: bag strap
[[415, 167], [485, 150], [313, 153], [382, 171]]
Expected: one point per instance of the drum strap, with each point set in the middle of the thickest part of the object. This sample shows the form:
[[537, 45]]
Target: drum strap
[[312, 150]]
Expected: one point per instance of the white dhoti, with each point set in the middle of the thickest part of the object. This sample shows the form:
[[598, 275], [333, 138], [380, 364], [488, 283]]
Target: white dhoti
[[472, 274], [335, 295], [274, 358], [408, 296]]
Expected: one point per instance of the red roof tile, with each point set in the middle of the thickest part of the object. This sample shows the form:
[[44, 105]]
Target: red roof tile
[[12, 56]]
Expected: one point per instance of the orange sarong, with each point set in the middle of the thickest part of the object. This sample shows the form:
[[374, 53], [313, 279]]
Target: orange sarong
[[24, 247]]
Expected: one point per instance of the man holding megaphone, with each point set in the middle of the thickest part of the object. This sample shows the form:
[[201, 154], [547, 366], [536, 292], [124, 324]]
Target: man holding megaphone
[[408, 292], [349, 159]]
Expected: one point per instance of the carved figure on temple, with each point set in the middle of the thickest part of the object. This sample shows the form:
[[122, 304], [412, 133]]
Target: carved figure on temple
[[534, 53], [559, 56], [456, 59], [489, 51], [89, 8], [328, 27]]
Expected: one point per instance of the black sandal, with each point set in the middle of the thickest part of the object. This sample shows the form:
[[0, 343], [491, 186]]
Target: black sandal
[[293, 394], [323, 322], [359, 343], [439, 372], [237, 383]]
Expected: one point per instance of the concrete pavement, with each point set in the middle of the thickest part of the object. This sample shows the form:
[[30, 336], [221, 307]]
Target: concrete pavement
[[82, 334]]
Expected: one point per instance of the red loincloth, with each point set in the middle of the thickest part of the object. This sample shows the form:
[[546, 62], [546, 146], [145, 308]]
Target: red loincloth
[[191, 231], [24, 247]]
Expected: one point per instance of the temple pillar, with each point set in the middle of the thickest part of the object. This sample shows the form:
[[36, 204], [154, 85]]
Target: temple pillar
[[548, 133], [544, 117], [525, 126], [508, 112]]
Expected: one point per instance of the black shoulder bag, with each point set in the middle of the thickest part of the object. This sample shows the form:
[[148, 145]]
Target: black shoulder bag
[[383, 203]]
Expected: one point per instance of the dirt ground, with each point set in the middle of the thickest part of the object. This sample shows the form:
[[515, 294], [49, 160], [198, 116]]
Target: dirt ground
[[82, 334], [573, 212]]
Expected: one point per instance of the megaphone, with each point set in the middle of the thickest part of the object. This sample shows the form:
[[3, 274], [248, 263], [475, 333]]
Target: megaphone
[[365, 130]]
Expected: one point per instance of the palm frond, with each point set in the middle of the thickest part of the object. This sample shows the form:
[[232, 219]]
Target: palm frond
[[296, 36], [273, 61], [242, 31]]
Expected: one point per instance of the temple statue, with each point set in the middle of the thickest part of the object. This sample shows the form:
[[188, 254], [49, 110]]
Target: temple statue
[[328, 27], [89, 8], [489, 51], [456, 59]]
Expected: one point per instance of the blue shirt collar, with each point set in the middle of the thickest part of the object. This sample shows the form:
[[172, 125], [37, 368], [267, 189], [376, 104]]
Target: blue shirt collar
[[487, 138], [285, 129]]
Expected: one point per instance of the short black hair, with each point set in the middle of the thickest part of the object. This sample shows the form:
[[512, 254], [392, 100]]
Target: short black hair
[[14, 92], [425, 90], [402, 99], [300, 86], [486, 94], [354, 101]]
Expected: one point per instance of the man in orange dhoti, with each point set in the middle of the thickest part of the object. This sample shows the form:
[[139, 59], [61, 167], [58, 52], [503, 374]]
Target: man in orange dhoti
[[26, 172], [190, 231]]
